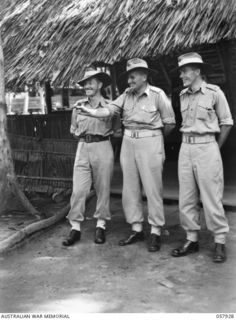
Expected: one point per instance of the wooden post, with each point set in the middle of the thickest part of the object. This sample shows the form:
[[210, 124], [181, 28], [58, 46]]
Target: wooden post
[[113, 79], [48, 96], [26, 103], [167, 78], [65, 96], [8, 180], [42, 101]]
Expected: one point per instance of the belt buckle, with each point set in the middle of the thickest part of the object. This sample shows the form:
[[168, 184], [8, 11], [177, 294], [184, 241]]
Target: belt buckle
[[88, 138], [191, 139], [134, 134]]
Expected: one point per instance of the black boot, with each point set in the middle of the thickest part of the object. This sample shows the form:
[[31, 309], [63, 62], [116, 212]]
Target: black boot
[[132, 238], [155, 243], [219, 253], [73, 237], [187, 248], [100, 236]]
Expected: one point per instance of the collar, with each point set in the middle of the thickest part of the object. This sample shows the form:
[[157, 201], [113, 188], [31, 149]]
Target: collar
[[202, 88], [145, 92], [101, 102]]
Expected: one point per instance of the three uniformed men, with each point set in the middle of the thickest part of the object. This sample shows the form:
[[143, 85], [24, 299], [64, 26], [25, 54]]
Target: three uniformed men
[[147, 116]]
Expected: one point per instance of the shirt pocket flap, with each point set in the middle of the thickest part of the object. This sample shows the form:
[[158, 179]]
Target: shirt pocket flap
[[206, 103], [205, 110], [184, 108], [149, 108], [184, 105]]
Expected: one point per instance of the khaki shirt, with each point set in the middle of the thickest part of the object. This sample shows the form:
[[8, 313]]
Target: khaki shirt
[[204, 110], [150, 110], [84, 124]]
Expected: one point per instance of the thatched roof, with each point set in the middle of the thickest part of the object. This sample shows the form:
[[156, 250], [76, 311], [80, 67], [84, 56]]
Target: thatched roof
[[43, 36]]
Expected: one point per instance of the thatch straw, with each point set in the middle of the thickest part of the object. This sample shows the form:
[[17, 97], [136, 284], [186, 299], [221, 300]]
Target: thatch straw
[[66, 35]]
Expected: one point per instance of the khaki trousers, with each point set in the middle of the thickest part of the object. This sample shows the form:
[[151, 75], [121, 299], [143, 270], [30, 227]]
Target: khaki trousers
[[93, 163], [142, 163], [200, 173]]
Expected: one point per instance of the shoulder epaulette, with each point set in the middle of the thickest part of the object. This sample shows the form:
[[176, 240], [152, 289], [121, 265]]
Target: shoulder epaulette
[[155, 89], [105, 102], [183, 91], [212, 87]]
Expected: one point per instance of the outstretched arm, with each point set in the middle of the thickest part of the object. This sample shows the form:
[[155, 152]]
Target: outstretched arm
[[97, 113], [115, 107]]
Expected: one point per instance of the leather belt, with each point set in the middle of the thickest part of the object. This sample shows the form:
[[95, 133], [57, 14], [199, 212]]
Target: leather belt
[[89, 138], [192, 139], [142, 133]]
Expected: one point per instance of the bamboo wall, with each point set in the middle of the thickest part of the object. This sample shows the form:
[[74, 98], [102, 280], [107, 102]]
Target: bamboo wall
[[43, 151]]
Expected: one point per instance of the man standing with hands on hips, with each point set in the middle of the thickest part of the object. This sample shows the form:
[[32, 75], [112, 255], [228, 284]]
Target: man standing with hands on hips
[[205, 113], [146, 113]]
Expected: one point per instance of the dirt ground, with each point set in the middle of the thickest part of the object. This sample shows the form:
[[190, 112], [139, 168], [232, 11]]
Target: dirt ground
[[43, 276]]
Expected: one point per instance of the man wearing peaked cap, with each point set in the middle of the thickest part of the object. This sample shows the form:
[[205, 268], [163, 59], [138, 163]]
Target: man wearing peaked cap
[[94, 158], [205, 113], [146, 113]]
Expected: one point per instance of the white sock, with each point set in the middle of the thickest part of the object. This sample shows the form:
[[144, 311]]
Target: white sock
[[137, 227], [75, 225], [220, 238], [192, 236], [156, 230], [101, 224]]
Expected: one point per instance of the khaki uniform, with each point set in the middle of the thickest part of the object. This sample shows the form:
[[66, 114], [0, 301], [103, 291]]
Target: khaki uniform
[[142, 152], [93, 163], [200, 167]]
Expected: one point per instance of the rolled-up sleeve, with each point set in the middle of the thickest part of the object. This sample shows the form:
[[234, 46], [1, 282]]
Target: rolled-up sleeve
[[165, 109], [222, 110], [115, 107]]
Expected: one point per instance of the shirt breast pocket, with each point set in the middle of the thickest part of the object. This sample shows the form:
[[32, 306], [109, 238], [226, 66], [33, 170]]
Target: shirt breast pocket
[[149, 109], [81, 122], [81, 118], [205, 111], [128, 105]]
